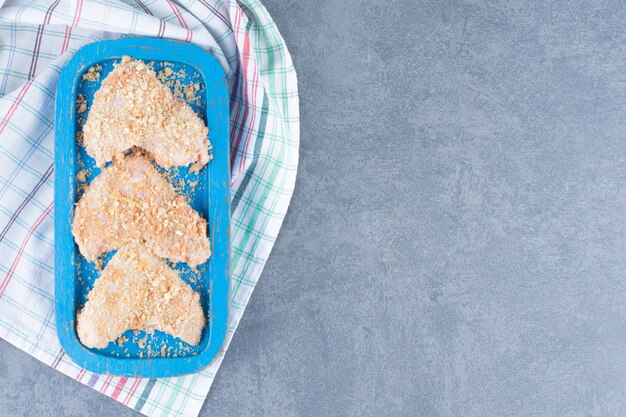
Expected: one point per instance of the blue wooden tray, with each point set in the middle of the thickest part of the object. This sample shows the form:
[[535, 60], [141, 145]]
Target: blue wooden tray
[[138, 354]]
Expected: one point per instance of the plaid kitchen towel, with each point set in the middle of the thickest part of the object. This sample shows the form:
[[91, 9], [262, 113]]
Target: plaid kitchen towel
[[36, 39]]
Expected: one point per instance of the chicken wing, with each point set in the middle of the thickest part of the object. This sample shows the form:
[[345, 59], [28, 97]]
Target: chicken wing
[[131, 202], [138, 290], [133, 108]]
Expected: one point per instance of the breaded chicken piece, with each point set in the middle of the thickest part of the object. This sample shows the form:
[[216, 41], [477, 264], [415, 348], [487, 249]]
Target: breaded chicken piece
[[131, 202], [133, 108], [138, 290]]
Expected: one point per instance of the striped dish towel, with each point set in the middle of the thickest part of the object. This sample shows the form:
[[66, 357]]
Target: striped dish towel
[[37, 39]]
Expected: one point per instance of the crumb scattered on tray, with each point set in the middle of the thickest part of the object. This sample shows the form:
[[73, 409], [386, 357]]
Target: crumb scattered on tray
[[81, 176], [192, 186], [79, 138], [93, 73], [121, 340], [142, 342], [81, 104], [195, 168], [190, 91], [186, 92], [80, 190], [99, 264]]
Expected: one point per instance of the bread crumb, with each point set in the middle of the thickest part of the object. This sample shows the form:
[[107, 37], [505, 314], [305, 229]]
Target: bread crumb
[[81, 104], [195, 168], [80, 190], [92, 73], [81, 176], [190, 91], [99, 264], [79, 138]]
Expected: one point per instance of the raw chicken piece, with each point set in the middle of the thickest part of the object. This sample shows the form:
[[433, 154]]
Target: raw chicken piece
[[137, 290], [131, 202], [133, 108]]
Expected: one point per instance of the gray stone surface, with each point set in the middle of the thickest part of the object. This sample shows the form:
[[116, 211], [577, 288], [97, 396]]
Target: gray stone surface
[[456, 242]]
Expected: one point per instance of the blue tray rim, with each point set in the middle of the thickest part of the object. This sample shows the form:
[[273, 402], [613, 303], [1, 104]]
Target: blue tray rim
[[219, 223]]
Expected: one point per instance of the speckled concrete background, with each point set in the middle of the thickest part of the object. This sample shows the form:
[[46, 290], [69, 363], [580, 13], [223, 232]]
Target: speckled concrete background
[[456, 242]]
